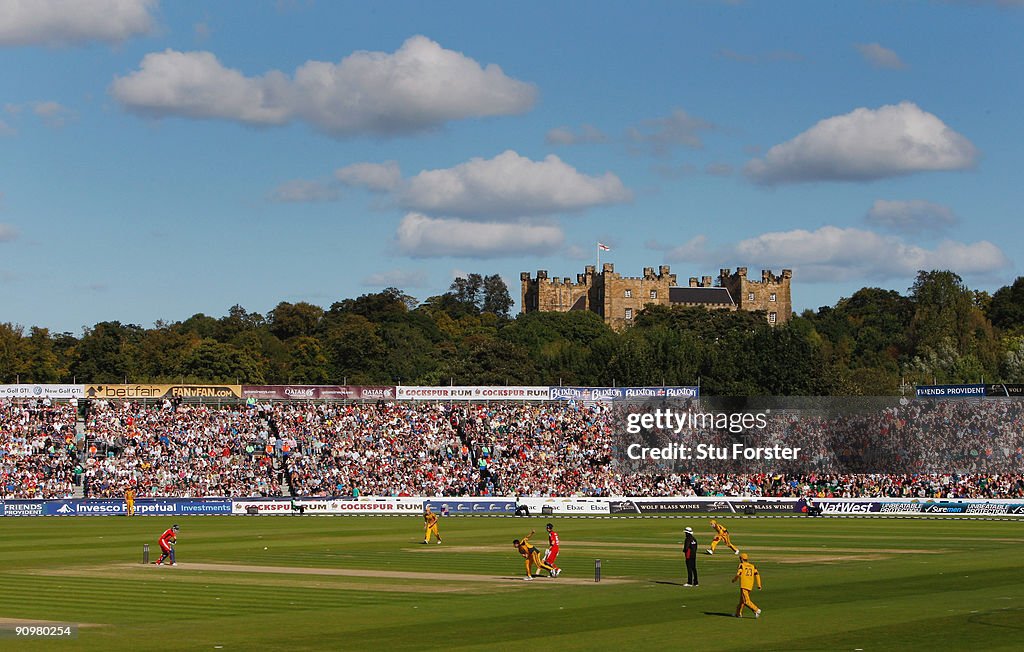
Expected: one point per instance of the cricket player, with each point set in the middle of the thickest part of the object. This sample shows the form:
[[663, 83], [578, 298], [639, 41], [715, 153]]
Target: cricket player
[[532, 556], [747, 575], [129, 501], [430, 526], [167, 541], [551, 554], [721, 535]]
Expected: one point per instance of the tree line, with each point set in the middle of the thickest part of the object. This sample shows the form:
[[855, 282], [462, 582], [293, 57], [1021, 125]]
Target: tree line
[[875, 342]]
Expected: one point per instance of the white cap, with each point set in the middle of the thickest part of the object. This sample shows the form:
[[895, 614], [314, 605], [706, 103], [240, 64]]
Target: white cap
[[689, 529]]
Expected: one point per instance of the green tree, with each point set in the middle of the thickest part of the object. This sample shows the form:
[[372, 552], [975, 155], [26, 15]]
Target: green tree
[[107, 353], [1006, 309], [42, 363], [289, 320], [307, 363], [216, 362], [496, 298], [12, 355]]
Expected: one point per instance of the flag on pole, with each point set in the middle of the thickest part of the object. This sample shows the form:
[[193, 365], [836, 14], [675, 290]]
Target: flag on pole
[[603, 247]]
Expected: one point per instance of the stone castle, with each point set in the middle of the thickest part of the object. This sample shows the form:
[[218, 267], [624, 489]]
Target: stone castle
[[618, 299]]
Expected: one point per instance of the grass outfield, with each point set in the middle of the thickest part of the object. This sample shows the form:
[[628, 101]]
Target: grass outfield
[[358, 583]]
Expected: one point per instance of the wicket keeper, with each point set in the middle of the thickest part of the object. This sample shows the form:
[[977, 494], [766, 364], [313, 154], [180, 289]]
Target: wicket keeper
[[166, 542], [721, 535], [747, 575], [430, 526], [532, 557]]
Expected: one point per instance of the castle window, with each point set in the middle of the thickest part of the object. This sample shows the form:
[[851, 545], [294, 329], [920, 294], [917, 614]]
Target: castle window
[[629, 294], [771, 297], [629, 311], [772, 317], [750, 296], [654, 294]]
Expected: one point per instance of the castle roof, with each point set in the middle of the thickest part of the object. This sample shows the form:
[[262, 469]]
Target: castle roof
[[700, 295]]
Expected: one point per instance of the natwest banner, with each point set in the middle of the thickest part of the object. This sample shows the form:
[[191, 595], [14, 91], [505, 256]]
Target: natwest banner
[[471, 393]]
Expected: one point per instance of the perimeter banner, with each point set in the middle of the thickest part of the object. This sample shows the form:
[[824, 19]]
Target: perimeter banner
[[318, 392], [445, 506], [42, 391], [950, 391], [471, 393], [621, 393], [702, 505], [126, 392]]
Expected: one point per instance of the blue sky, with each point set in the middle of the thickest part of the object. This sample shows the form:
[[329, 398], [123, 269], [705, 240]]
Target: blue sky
[[162, 159]]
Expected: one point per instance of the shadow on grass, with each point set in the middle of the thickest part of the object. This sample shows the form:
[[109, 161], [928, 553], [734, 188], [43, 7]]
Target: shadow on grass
[[719, 613], [669, 583]]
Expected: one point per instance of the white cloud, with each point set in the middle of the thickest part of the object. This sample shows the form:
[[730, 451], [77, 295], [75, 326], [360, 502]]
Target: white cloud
[[69, 22], [837, 254], [508, 186], [419, 87], [398, 278], [302, 190], [6, 129], [910, 216], [587, 134], [378, 177], [196, 85], [420, 236], [7, 232], [864, 145], [880, 56], [678, 129], [53, 113]]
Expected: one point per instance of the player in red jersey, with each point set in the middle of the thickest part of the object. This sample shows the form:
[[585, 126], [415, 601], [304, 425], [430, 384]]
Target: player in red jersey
[[552, 552], [167, 541]]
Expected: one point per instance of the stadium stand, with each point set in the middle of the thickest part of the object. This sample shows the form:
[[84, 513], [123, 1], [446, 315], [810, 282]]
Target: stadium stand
[[172, 449]]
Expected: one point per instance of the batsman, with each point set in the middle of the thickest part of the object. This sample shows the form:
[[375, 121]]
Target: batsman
[[166, 542]]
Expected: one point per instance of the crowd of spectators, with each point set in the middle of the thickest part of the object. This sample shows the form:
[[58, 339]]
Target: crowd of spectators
[[919, 449], [179, 449], [38, 452]]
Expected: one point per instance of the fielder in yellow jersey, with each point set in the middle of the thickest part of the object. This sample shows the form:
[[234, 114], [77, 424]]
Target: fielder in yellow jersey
[[129, 501], [532, 557], [748, 576], [430, 526], [721, 536]]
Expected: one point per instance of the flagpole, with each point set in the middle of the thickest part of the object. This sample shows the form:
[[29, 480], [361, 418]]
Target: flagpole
[[598, 258]]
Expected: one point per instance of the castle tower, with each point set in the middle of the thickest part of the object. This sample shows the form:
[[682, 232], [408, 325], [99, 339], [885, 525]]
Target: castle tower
[[771, 294]]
